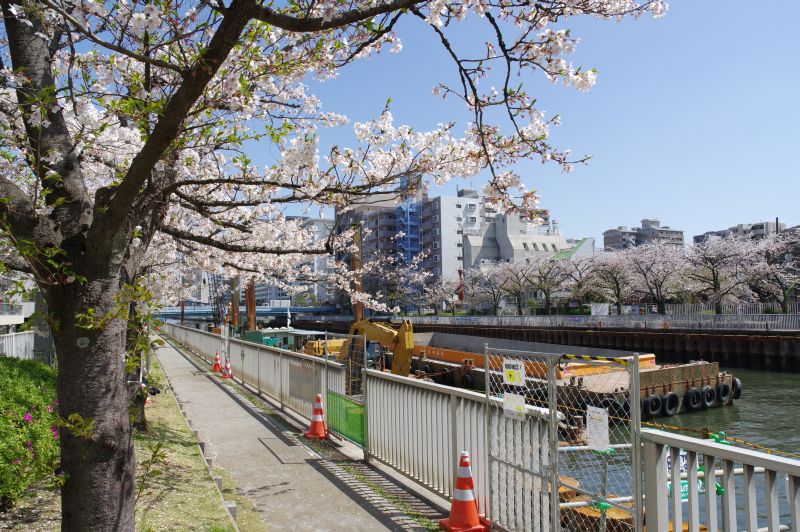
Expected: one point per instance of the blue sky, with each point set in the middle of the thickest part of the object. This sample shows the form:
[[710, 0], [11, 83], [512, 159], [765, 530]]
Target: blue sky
[[694, 119]]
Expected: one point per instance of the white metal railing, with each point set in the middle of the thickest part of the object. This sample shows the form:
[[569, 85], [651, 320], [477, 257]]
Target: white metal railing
[[17, 345], [733, 495], [437, 423], [292, 379]]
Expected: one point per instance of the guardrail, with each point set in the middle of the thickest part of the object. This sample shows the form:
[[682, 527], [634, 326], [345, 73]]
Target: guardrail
[[726, 497], [750, 322], [17, 345], [292, 379]]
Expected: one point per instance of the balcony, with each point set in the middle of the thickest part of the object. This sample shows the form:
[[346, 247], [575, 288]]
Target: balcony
[[12, 314]]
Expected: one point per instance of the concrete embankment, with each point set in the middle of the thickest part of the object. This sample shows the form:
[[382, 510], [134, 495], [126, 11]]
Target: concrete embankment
[[760, 351]]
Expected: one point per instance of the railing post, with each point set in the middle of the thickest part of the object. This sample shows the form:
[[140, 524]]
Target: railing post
[[552, 452], [636, 443], [280, 372], [364, 395], [454, 450], [487, 432], [655, 465]]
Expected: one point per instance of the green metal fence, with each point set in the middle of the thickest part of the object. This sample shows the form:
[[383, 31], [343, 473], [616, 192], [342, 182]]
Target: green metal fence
[[346, 417]]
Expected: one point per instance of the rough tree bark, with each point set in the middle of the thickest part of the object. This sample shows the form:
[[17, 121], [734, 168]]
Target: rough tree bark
[[99, 469]]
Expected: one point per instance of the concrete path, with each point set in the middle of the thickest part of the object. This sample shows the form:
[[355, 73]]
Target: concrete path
[[286, 481]]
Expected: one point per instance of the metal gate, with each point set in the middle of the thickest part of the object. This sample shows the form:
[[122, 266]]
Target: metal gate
[[589, 454]]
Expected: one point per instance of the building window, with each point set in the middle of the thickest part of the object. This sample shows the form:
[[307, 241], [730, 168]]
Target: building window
[[535, 247], [554, 247], [470, 206], [435, 245], [472, 219], [459, 232], [458, 205], [436, 258], [459, 219], [525, 245], [437, 271], [459, 258], [436, 232], [435, 218], [459, 245]]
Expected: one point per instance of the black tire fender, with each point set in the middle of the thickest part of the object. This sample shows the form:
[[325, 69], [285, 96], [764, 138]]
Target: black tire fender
[[670, 404], [723, 392], [693, 399], [653, 405], [736, 388], [709, 396]]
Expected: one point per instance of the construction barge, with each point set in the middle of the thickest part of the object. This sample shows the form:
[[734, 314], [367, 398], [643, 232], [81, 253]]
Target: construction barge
[[665, 389]]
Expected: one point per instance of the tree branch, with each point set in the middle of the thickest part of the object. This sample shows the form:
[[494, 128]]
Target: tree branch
[[311, 24]]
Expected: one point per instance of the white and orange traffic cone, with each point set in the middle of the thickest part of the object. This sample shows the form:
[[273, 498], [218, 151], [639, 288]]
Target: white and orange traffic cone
[[464, 509], [217, 364], [228, 372], [317, 430]]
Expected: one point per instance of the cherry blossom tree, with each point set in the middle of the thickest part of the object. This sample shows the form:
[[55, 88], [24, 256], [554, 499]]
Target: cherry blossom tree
[[579, 277], [443, 292], [657, 271], [613, 277], [127, 133], [515, 283], [545, 275], [716, 269], [775, 273], [485, 287]]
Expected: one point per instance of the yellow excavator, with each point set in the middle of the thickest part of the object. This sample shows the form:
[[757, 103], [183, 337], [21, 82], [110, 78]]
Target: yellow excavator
[[400, 342]]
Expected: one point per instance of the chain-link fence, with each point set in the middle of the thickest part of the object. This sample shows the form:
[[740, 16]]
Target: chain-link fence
[[591, 442]]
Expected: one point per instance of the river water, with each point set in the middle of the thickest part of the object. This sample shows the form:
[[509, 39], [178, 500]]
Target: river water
[[767, 414]]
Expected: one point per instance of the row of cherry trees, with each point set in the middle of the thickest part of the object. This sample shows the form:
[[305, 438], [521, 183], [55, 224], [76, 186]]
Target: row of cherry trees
[[719, 271]]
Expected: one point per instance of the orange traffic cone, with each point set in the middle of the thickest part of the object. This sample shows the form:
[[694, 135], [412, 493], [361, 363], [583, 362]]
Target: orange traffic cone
[[464, 509], [217, 365], [227, 372], [317, 430]]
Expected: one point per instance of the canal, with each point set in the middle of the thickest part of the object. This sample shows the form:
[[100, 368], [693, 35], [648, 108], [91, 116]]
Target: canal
[[767, 414]]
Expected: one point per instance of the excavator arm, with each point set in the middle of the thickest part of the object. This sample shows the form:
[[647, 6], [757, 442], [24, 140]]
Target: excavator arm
[[400, 342]]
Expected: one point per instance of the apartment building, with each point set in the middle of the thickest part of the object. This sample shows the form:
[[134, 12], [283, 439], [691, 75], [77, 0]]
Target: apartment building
[[754, 230], [651, 230]]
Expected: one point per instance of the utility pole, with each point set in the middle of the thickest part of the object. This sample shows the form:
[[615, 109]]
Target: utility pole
[[250, 304], [358, 307]]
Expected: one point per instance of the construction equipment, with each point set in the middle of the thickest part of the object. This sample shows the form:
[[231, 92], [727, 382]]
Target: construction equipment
[[317, 347], [400, 342]]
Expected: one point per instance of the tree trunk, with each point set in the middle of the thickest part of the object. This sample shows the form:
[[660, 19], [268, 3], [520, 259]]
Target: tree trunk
[[662, 307], [98, 493], [717, 307], [619, 308]]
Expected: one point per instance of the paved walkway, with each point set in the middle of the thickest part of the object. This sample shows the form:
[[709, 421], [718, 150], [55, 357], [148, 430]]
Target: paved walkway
[[289, 484]]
